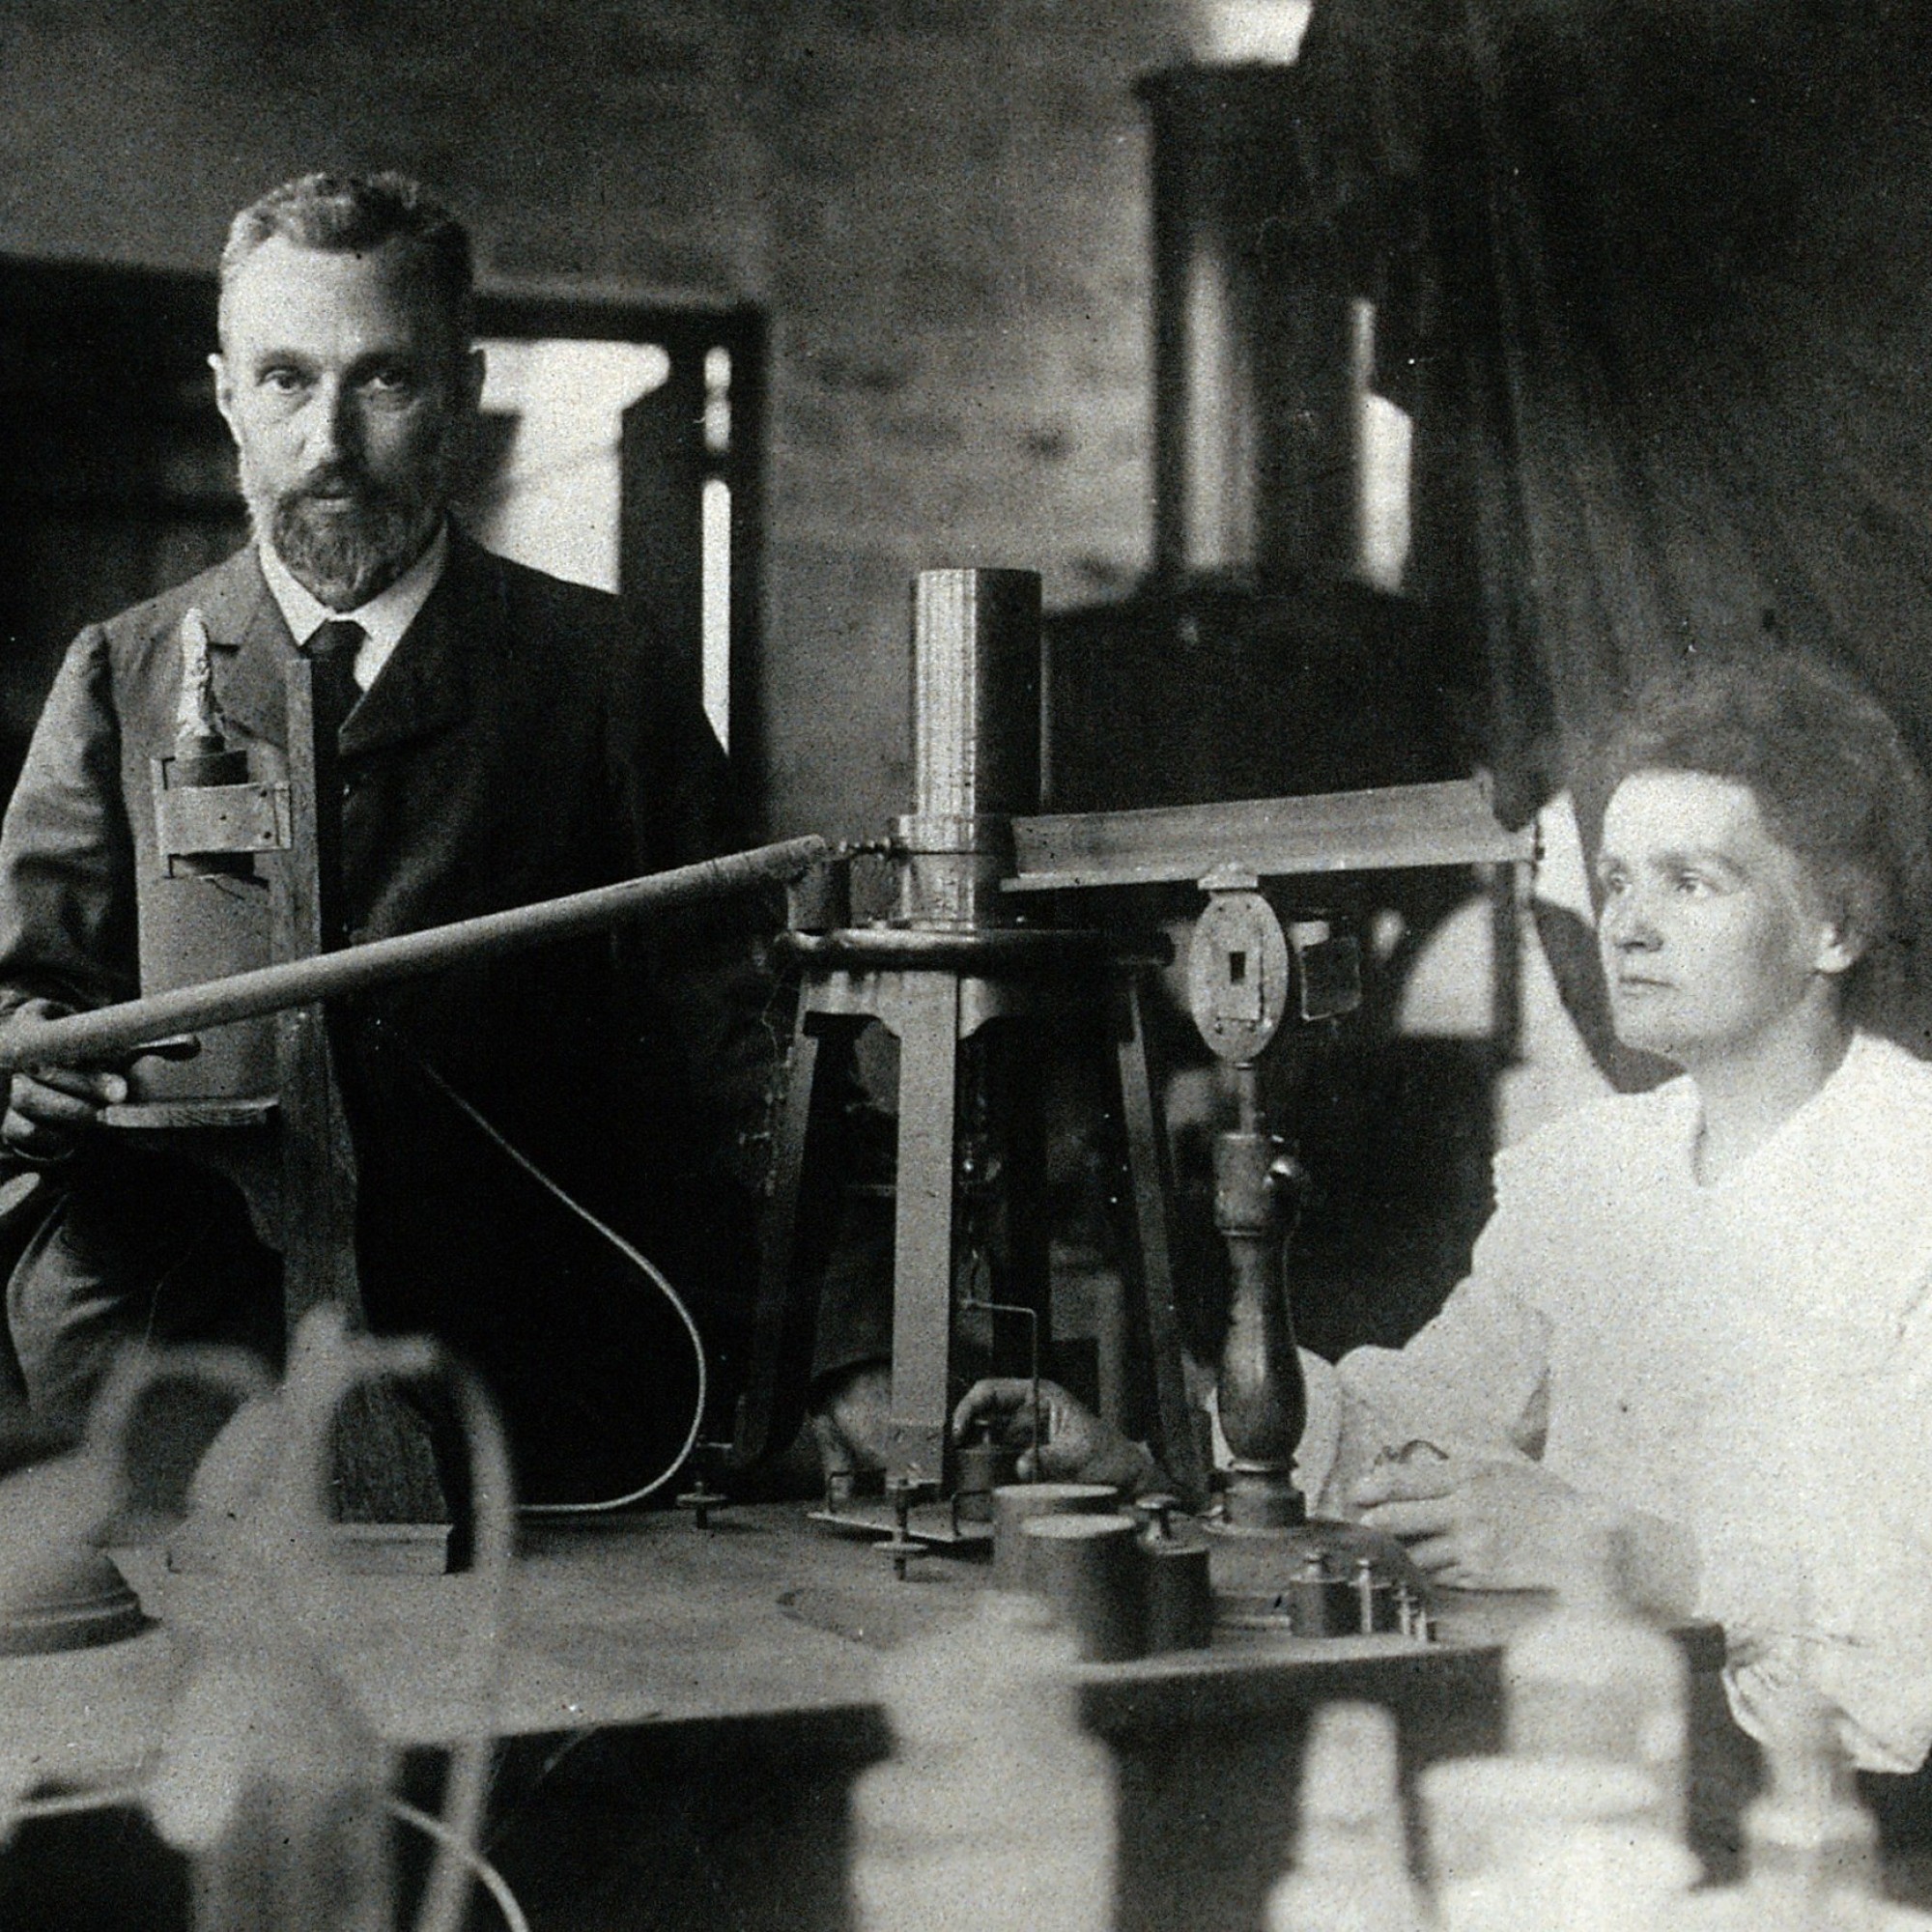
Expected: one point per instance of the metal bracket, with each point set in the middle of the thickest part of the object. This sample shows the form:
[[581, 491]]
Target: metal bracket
[[198, 822]]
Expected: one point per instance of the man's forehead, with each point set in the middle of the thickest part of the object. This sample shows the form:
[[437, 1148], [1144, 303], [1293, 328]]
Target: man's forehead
[[285, 289]]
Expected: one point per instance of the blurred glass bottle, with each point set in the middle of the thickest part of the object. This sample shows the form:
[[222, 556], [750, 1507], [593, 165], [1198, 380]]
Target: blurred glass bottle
[[1351, 1871], [1579, 1825], [1811, 1846], [995, 1812], [1595, 1680]]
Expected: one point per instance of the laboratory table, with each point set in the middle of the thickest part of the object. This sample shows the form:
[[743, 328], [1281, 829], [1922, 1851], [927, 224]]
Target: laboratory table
[[682, 1712]]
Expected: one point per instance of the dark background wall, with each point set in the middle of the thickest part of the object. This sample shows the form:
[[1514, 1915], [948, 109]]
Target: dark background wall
[[940, 202]]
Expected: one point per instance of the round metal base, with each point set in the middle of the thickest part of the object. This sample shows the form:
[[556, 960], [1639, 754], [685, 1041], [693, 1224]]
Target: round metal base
[[77, 1602], [1262, 1498]]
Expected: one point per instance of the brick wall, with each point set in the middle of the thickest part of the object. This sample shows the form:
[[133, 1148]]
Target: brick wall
[[940, 202]]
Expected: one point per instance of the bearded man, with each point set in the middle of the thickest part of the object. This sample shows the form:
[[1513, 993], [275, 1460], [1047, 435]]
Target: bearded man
[[507, 738]]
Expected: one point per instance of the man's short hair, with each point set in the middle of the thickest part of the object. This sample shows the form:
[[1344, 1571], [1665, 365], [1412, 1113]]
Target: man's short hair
[[1833, 778], [349, 213]]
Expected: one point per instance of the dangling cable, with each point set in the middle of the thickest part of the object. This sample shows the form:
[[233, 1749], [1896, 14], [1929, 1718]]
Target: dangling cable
[[641, 1262], [479, 1867]]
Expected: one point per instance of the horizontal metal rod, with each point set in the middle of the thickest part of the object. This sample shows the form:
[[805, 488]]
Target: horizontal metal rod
[[112, 1033], [1452, 823]]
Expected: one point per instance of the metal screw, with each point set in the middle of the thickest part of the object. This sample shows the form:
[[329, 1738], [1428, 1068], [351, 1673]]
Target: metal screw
[[902, 1545], [703, 1495], [1365, 1594]]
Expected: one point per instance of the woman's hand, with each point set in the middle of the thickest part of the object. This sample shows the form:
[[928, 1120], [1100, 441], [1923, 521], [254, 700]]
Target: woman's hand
[[1482, 1525]]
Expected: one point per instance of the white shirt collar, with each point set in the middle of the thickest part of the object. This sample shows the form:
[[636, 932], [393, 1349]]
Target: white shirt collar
[[383, 619]]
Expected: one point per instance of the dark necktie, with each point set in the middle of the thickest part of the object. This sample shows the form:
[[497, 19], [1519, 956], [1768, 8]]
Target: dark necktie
[[332, 651]]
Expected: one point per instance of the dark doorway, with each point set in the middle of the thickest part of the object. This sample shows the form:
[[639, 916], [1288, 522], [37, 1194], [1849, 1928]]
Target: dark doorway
[[115, 472]]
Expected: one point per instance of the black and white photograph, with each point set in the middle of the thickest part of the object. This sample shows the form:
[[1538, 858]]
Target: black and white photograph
[[966, 966]]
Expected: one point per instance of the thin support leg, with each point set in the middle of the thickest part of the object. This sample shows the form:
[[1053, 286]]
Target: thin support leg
[[923, 1229]]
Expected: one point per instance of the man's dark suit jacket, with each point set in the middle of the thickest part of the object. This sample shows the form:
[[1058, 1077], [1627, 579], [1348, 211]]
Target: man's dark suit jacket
[[527, 739]]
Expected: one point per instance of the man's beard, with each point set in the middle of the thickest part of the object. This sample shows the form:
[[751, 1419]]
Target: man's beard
[[344, 553]]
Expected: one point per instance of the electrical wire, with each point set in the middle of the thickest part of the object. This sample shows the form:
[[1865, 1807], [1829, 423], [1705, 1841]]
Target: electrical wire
[[480, 1868], [638, 1260]]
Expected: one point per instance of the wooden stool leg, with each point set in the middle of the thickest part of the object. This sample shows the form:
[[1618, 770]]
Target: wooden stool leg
[[1179, 1446], [772, 1405]]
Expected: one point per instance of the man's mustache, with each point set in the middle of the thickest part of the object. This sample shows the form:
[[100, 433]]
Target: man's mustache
[[357, 485]]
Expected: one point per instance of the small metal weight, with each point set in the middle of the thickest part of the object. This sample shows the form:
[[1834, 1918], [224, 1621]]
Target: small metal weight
[[1175, 1583], [984, 1466], [1327, 1599], [1089, 1569]]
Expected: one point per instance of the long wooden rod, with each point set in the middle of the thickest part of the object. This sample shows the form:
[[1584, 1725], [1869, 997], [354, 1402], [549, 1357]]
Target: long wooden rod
[[113, 1033]]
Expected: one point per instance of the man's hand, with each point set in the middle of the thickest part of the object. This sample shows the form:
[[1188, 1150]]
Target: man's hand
[[851, 1419], [51, 1109], [1079, 1447], [1480, 1524]]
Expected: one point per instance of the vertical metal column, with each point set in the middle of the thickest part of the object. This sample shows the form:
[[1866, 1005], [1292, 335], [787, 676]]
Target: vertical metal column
[[317, 1162], [975, 729], [772, 1405]]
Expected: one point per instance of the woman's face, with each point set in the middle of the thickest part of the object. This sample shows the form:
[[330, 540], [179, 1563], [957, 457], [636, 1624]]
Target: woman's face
[[1713, 932]]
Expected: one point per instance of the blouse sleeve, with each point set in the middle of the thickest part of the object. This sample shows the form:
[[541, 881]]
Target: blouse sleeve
[[1869, 1574], [1472, 1382]]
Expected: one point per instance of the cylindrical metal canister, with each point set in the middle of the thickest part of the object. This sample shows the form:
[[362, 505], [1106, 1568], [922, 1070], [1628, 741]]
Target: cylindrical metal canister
[[1321, 1601], [198, 917], [976, 738], [1089, 1569], [1016, 1504], [975, 692]]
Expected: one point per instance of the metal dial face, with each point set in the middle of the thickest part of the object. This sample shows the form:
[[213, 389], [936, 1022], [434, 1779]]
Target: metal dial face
[[1238, 975]]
